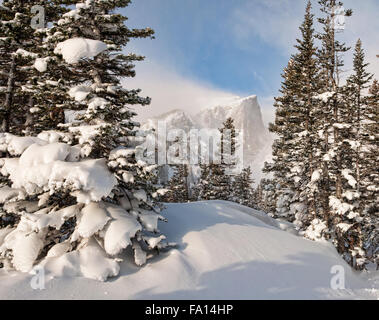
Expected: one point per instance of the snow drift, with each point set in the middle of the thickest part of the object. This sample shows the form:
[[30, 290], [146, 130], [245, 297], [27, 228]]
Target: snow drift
[[225, 251]]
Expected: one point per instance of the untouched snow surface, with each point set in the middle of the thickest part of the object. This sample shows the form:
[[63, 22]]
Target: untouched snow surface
[[225, 251]]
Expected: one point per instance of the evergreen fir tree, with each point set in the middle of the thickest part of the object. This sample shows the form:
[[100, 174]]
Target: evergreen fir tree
[[293, 154], [242, 189], [84, 178], [328, 146], [306, 66], [64, 84], [216, 180], [265, 197], [369, 175], [369, 172], [201, 187], [280, 146], [358, 115], [323, 156], [350, 222], [214, 183], [21, 46], [178, 189]]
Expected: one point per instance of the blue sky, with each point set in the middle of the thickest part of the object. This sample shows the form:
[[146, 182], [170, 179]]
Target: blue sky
[[211, 48], [196, 36]]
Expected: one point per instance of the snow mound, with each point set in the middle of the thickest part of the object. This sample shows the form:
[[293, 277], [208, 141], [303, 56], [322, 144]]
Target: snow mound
[[89, 262], [225, 251], [75, 49]]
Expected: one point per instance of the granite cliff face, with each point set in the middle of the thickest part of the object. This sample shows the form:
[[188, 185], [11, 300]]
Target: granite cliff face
[[247, 116]]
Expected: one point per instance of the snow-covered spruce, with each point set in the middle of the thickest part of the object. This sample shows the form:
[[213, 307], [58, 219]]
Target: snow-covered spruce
[[74, 190], [92, 210], [22, 59], [177, 188], [323, 168], [215, 182], [243, 192]]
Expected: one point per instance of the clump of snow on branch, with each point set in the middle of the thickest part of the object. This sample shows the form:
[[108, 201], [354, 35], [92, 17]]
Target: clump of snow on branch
[[44, 168], [41, 64], [75, 49], [326, 96]]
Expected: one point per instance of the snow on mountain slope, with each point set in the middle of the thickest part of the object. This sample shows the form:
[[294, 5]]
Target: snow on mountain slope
[[225, 251], [247, 116], [174, 119]]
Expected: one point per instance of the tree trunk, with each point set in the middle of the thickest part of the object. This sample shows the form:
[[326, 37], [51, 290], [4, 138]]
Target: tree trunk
[[29, 117], [358, 152], [9, 96]]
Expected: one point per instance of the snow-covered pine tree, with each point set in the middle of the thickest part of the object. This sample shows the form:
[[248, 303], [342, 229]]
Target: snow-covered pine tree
[[369, 176], [360, 118], [79, 190], [201, 185], [342, 150], [320, 149], [280, 148], [370, 133], [219, 180], [228, 156], [350, 222], [243, 192], [303, 166], [215, 182], [219, 183], [293, 154], [22, 29], [264, 196], [328, 146], [178, 188]]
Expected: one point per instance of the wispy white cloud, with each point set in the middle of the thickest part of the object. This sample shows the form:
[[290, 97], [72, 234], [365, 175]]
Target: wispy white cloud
[[277, 24], [170, 90], [273, 22]]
